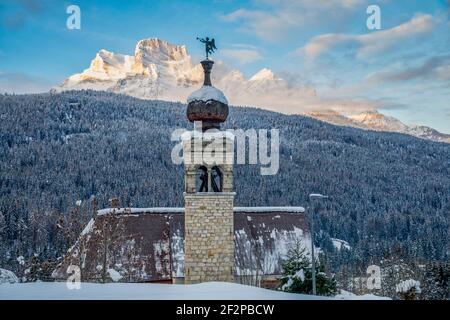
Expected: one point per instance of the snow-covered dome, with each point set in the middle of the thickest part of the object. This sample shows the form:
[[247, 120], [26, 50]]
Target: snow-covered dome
[[207, 104], [206, 93]]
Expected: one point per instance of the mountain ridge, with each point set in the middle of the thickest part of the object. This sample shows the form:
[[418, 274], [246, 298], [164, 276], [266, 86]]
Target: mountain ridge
[[376, 121], [163, 71]]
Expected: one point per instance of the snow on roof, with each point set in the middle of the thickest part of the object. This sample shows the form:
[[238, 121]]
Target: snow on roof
[[181, 210], [269, 209], [88, 227], [140, 210], [206, 93]]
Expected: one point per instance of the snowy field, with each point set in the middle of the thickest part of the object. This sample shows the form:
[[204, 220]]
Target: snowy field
[[142, 291]]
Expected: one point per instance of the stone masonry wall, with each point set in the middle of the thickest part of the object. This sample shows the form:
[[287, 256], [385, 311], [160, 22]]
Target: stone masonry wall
[[209, 237]]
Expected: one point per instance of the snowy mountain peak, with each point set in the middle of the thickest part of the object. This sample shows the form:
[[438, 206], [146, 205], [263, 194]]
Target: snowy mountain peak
[[164, 71], [157, 50], [234, 76], [104, 53], [373, 120], [378, 121], [167, 60], [110, 59], [427, 133], [105, 66], [264, 74], [156, 67]]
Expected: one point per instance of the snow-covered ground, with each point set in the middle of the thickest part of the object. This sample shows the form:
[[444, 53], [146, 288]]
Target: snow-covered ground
[[143, 291], [345, 295]]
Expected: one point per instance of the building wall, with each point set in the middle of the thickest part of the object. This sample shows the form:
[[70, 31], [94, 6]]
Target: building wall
[[209, 237]]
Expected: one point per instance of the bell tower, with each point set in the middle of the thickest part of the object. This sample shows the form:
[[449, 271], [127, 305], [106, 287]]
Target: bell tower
[[209, 198]]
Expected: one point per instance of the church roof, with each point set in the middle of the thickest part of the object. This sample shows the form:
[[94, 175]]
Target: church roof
[[146, 244]]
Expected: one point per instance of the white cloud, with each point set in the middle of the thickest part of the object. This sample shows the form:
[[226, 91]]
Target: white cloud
[[370, 43], [315, 3], [242, 55], [265, 25], [434, 68], [280, 16], [289, 95]]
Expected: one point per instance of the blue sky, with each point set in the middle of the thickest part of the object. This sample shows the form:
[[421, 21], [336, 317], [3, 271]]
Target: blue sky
[[402, 69]]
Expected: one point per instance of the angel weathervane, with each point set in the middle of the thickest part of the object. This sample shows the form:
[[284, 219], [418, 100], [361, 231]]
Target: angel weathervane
[[210, 45]]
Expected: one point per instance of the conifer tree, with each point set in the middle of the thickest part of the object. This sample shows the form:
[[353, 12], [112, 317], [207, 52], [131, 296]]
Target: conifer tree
[[297, 274]]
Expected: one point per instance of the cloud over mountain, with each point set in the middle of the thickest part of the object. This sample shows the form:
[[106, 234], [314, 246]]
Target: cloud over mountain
[[370, 43], [243, 54]]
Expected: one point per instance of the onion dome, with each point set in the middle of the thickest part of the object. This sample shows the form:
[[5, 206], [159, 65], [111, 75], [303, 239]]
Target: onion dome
[[207, 104]]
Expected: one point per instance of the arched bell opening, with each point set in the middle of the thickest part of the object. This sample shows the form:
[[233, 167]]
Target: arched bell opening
[[216, 179], [202, 179]]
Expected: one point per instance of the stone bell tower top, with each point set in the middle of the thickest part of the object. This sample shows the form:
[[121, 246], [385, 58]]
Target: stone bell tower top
[[207, 104]]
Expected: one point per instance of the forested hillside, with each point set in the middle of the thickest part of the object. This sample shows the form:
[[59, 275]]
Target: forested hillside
[[388, 190]]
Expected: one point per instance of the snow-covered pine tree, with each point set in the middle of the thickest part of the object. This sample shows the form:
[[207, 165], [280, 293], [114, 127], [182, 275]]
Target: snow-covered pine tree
[[395, 270], [297, 274], [436, 281]]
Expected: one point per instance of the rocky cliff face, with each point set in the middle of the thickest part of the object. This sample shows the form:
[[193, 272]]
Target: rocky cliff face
[[161, 70], [164, 71], [156, 71]]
